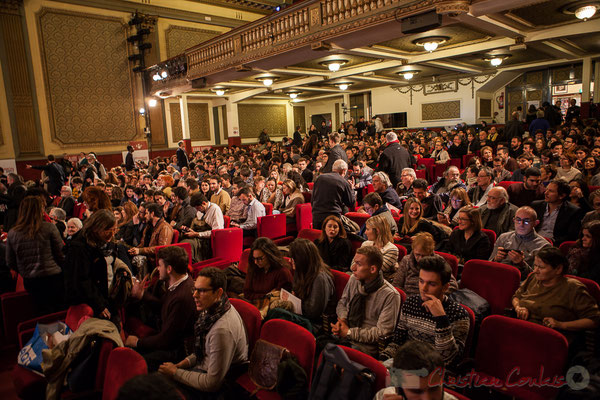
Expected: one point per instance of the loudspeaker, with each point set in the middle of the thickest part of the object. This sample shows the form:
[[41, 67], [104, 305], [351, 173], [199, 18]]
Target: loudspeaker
[[421, 23]]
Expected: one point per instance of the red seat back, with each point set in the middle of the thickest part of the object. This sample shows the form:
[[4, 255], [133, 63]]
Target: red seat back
[[303, 216], [493, 281], [268, 208], [271, 226], [252, 320], [20, 287], [123, 364], [456, 162], [175, 238], [466, 158], [75, 313], [226, 221], [300, 342], [105, 350], [469, 341], [505, 343], [451, 260], [359, 218], [421, 173], [566, 246], [340, 280], [310, 234], [506, 184], [402, 294], [243, 265], [310, 185], [227, 243], [491, 235], [592, 286], [439, 169], [380, 371], [307, 196], [401, 251]]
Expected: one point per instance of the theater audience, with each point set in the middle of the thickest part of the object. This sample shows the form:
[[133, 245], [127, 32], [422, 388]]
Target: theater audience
[[332, 193], [446, 184], [467, 242], [549, 298], [267, 270], [255, 210], [369, 306], [373, 205], [74, 225], [413, 222], [584, 256], [478, 194], [458, 199], [293, 197], [431, 202], [199, 234], [34, 249], [379, 235], [595, 203], [579, 195], [383, 186], [497, 214], [407, 276], [334, 247], [221, 344], [404, 188], [313, 282], [524, 193]]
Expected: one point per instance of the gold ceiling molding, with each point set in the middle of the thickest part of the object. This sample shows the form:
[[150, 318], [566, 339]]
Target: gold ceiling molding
[[89, 85], [453, 8]]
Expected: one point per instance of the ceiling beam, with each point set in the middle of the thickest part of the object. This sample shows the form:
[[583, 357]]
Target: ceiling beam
[[362, 69], [317, 89], [378, 79], [490, 25], [297, 71], [454, 66], [241, 84], [487, 7], [562, 50], [324, 96], [463, 50], [297, 82], [370, 52], [538, 64], [237, 97], [576, 28]]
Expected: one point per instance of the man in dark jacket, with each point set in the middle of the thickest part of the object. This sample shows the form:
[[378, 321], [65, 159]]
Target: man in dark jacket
[[572, 112], [394, 158], [175, 305], [336, 153], [331, 194], [324, 131], [551, 115], [297, 138], [560, 220], [182, 158], [55, 174], [514, 127]]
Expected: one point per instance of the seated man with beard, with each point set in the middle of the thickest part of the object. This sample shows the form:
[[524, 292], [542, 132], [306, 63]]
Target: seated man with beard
[[451, 180]]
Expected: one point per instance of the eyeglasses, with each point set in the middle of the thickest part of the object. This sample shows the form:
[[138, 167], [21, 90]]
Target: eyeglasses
[[258, 259], [201, 290], [524, 221]]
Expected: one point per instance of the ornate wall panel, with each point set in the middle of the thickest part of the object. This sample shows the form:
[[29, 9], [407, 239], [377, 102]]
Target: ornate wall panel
[[442, 110], [535, 78], [225, 128], [175, 113], [17, 76], [485, 108], [337, 117], [518, 82], [199, 121], [256, 117], [300, 117], [179, 38], [88, 77], [533, 95]]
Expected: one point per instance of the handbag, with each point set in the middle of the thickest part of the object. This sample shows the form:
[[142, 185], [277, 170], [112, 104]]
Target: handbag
[[30, 355], [264, 361]]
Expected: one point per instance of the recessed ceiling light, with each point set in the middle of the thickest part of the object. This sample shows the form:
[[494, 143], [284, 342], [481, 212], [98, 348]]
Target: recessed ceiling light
[[334, 65], [408, 74], [431, 43], [267, 80], [585, 12]]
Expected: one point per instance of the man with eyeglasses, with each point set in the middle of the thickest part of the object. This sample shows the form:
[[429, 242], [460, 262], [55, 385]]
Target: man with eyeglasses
[[497, 214], [518, 247], [404, 188], [220, 344], [175, 306], [373, 205], [479, 193], [446, 184]]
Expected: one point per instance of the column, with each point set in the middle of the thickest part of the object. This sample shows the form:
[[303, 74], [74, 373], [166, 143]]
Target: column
[[597, 82], [185, 123], [233, 124], [586, 79]]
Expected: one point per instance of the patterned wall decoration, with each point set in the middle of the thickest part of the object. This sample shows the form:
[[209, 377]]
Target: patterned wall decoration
[[535, 78], [338, 121], [256, 117], [225, 128], [88, 77], [564, 74], [180, 38], [300, 117], [441, 110], [199, 122], [515, 99], [533, 95], [518, 82], [175, 113]]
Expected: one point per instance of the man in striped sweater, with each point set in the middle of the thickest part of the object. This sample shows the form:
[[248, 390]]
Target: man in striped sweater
[[430, 316]]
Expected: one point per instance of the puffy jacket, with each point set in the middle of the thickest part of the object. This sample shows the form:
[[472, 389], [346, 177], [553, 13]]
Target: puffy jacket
[[35, 257]]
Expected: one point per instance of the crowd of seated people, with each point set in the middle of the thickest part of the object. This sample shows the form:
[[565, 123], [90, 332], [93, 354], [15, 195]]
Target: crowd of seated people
[[515, 202]]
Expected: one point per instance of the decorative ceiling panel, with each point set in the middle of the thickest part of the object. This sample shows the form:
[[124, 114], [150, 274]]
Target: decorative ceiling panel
[[544, 14], [353, 61], [458, 34], [517, 57]]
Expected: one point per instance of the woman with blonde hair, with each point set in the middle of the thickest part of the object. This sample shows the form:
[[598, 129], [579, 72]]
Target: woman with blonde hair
[[458, 199], [379, 234], [412, 222], [292, 197], [407, 276]]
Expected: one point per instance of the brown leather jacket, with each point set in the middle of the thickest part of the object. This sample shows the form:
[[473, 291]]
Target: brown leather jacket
[[162, 234]]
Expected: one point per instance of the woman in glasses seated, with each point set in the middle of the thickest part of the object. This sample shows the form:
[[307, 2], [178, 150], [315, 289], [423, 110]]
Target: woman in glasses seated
[[458, 199], [267, 270], [518, 247], [468, 242], [549, 298]]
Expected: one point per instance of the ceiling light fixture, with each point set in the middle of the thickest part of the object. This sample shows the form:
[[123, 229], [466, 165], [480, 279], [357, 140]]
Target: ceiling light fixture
[[219, 91], [408, 74], [156, 77], [152, 102], [334, 65], [585, 12], [267, 80], [344, 85], [293, 95], [164, 74], [496, 59], [431, 43]]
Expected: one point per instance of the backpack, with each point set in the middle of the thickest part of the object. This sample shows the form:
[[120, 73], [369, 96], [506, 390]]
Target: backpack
[[479, 305], [339, 378]]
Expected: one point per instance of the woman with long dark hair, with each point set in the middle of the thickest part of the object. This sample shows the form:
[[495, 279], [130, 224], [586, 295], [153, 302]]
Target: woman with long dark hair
[[34, 249], [584, 256], [313, 281], [267, 270], [333, 245], [468, 242]]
